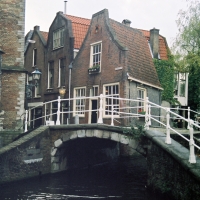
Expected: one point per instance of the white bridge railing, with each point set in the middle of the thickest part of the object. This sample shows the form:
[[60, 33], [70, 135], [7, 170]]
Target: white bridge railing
[[119, 109]]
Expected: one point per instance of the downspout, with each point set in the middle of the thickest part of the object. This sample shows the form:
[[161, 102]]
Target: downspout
[[70, 74]]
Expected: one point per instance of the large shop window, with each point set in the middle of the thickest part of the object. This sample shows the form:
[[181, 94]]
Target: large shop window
[[79, 103], [111, 103]]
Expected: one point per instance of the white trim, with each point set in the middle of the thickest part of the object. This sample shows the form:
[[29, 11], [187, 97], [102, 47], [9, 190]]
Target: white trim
[[74, 102], [145, 95], [143, 82], [91, 53], [104, 103], [59, 71]]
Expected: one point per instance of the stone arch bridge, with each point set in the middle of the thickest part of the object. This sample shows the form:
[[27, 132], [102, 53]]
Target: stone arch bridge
[[51, 149]]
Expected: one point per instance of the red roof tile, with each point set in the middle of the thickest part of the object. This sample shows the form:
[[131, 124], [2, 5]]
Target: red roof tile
[[162, 44], [80, 27], [45, 35], [140, 63]]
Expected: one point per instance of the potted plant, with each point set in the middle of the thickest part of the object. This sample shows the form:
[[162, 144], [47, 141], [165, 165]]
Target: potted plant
[[94, 69], [141, 114]]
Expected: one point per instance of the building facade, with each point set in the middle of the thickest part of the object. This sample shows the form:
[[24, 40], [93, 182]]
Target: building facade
[[12, 22]]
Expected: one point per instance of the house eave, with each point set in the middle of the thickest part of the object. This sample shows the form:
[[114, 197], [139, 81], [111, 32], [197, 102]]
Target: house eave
[[143, 82]]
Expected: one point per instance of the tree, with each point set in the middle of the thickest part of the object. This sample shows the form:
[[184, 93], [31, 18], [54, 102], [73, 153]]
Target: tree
[[187, 50]]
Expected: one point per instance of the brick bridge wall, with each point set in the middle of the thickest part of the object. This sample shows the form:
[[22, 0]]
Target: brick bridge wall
[[169, 170], [52, 149]]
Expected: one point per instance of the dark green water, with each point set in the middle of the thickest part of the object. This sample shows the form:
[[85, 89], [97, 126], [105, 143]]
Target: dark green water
[[122, 180]]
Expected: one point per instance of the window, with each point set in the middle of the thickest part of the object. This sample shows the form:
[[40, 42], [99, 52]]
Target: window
[[95, 54], [50, 74], [179, 84], [112, 91], [61, 75], [79, 104], [34, 57], [58, 38], [141, 95], [38, 89], [29, 86], [94, 91]]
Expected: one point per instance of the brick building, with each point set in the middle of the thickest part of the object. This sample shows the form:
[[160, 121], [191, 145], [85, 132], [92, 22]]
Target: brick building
[[52, 53], [125, 68], [12, 22]]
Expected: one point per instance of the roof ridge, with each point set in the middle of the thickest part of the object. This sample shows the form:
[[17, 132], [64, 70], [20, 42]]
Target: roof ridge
[[77, 17]]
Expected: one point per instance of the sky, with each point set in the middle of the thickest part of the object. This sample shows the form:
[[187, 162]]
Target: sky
[[143, 14]]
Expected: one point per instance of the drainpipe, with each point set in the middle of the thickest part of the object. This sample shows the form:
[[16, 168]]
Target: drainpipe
[[1, 52], [70, 74]]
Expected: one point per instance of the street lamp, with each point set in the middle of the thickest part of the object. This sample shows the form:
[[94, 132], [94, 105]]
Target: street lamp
[[36, 76], [62, 92]]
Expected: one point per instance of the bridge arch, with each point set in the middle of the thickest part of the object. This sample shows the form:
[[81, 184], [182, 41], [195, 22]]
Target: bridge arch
[[114, 144]]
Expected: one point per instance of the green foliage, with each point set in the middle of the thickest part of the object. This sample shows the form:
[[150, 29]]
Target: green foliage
[[165, 71], [187, 50], [134, 132]]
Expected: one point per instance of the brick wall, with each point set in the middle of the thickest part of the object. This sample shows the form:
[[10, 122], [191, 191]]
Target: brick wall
[[12, 23]]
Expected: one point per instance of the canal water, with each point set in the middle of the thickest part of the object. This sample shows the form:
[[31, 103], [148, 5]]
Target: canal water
[[126, 179]]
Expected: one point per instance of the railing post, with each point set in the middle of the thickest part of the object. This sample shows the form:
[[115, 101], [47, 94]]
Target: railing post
[[146, 126], [188, 126], [149, 115], [26, 121], [192, 158], [100, 120], [58, 112], [168, 138], [112, 116]]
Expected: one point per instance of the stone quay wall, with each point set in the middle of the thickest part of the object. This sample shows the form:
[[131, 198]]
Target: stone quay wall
[[169, 170]]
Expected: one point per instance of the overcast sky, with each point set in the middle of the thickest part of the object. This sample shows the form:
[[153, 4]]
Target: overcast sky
[[144, 14]]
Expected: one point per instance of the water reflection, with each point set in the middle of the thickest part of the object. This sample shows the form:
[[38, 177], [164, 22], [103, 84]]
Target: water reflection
[[122, 180]]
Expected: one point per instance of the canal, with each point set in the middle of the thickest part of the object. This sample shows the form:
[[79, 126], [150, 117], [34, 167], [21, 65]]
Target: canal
[[125, 179]]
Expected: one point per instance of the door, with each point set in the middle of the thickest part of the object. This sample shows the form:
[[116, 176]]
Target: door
[[94, 111]]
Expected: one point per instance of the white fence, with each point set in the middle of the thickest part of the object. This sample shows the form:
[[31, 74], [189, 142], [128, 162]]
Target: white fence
[[120, 108]]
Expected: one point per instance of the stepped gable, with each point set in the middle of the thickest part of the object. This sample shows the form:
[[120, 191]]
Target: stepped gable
[[80, 27], [139, 60]]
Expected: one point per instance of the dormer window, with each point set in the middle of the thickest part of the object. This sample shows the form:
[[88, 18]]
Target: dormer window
[[95, 54], [58, 38], [34, 57]]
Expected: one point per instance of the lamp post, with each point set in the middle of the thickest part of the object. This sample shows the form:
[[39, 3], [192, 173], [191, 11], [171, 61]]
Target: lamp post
[[36, 76], [1, 53]]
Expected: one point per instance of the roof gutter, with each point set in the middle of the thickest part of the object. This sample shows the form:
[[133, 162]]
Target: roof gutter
[[143, 82]]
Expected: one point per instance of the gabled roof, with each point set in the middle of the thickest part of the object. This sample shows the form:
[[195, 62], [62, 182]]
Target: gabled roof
[[162, 44], [80, 27], [139, 60], [42, 35]]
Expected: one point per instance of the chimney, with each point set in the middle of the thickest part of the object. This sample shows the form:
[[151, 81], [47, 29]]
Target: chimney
[[154, 42], [65, 8], [36, 28], [126, 22]]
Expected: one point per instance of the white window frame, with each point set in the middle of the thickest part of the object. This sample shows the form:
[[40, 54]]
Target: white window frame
[[48, 76], [75, 52], [105, 103], [34, 63], [58, 38], [82, 112], [92, 63], [143, 104], [38, 90], [59, 73]]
